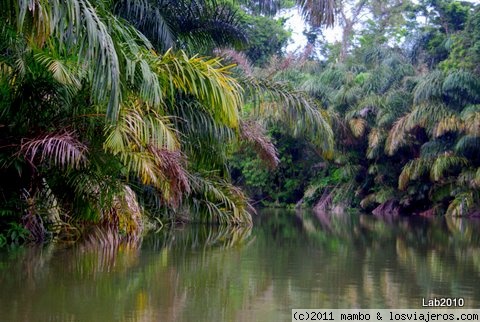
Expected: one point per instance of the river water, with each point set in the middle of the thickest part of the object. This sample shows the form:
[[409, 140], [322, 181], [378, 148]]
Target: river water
[[287, 260]]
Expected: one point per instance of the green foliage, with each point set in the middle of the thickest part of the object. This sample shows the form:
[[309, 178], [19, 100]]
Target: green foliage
[[283, 185], [266, 37]]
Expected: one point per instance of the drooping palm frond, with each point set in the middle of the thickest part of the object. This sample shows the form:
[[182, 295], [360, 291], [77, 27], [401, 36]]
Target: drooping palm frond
[[348, 95], [137, 59], [427, 116], [397, 103], [413, 170], [379, 197], [61, 70], [471, 118], [429, 88], [279, 101], [208, 23], [444, 163], [151, 18], [376, 139], [319, 90], [253, 133], [475, 183], [62, 149], [203, 139], [139, 127], [216, 200], [370, 104], [316, 12], [79, 26], [462, 204], [448, 124], [334, 76], [468, 145], [128, 213], [148, 146], [462, 85], [431, 149], [397, 135], [205, 79], [358, 126], [172, 170], [435, 166]]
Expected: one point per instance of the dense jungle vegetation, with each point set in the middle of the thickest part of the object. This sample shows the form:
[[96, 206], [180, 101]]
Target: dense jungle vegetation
[[121, 114]]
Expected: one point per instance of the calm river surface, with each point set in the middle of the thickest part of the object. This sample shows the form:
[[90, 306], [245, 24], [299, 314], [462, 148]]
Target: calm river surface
[[285, 261]]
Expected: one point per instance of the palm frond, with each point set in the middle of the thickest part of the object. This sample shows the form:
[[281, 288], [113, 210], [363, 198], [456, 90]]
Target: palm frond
[[358, 126], [203, 139], [461, 205], [318, 89], [448, 124], [468, 145], [61, 149], [471, 118], [376, 139], [139, 127], [461, 85], [78, 25], [151, 18], [205, 79], [444, 163], [348, 95], [223, 202], [253, 133], [435, 148], [171, 165], [60, 70], [236, 57], [413, 170], [333, 76], [397, 135], [429, 88], [318, 12], [282, 103], [428, 116]]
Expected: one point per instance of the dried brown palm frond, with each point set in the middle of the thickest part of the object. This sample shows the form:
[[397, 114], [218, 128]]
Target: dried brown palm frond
[[253, 133], [62, 149], [358, 126], [397, 136], [172, 170], [471, 118], [236, 57], [376, 139], [448, 124]]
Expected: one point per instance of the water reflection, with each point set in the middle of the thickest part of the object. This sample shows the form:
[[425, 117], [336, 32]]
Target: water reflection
[[289, 260]]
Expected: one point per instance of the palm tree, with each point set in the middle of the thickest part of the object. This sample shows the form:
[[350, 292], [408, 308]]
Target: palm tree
[[111, 129], [96, 124], [316, 12]]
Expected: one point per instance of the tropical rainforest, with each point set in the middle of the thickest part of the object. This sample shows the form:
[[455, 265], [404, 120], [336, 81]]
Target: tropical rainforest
[[122, 115]]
